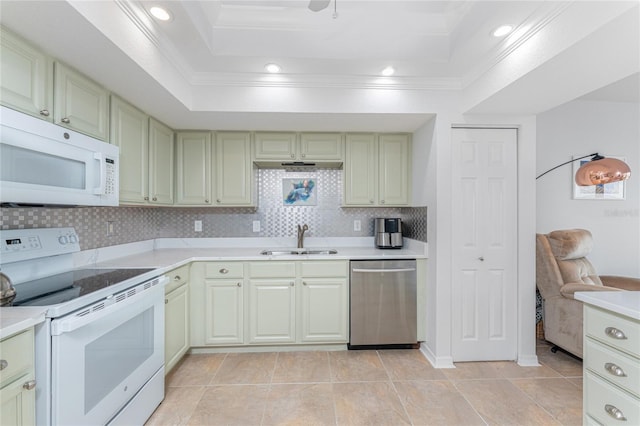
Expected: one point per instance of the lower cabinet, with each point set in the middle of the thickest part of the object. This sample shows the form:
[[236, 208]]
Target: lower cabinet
[[176, 317], [17, 380], [269, 303]]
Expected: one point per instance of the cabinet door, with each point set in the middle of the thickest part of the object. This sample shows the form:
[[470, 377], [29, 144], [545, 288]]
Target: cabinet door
[[234, 170], [130, 132], [193, 168], [324, 310], [394, 170], [161, 163], [275, 146], [17, 403], [224, 311], [272, 311], [360, 170], [80, 103], [27, 77], [321, 146], [176, 330]]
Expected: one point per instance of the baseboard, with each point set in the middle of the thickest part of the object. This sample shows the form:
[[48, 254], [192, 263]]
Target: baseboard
[[436, 362]]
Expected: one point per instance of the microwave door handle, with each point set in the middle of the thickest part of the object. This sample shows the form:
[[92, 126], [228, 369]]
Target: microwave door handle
[[98, 156]]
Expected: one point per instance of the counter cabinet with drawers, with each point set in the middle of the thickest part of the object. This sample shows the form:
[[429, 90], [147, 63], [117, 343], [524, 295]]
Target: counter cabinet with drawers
[[611, 367], [176, 317], [17, 379], [238, 303]]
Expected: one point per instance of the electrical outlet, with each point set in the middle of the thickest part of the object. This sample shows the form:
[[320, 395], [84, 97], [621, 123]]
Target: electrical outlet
[[357, 226], [256, 226], [197, 226], [111, 228]]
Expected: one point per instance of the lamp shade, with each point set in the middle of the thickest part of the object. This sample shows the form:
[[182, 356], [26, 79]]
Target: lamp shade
[[605, 170]]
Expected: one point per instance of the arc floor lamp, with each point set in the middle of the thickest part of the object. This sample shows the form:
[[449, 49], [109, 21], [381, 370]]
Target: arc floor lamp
[[599, 170]]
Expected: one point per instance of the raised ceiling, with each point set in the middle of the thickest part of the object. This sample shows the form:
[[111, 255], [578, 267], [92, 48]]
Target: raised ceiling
[[205, 67]]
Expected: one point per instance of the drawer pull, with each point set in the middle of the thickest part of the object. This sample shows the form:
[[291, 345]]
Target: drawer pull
[[224, 271], [614, 370], [3, 364], [177, 278], [29, 385], [615, 333], [614, 412]]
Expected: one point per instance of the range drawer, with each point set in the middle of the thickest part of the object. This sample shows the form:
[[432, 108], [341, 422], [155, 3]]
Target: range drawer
[[224, 270], [272, 269], [620, 332], [614, 366], [177, 277], [320, 268], [608, 404], [16, 356]]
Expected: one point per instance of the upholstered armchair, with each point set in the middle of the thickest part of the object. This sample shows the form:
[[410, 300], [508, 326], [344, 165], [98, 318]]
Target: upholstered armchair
[[561, 270]]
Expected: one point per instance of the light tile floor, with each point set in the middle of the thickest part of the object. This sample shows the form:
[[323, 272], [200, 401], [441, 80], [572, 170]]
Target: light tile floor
[[388, 387]]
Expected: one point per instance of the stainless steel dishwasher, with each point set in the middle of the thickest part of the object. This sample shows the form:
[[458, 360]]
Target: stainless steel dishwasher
[[383, 304]]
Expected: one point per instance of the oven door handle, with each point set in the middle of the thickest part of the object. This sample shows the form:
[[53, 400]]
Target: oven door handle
[[108, 307]]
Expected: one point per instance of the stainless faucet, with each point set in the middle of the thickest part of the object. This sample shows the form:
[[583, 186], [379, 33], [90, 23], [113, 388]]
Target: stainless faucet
[[301, 230]]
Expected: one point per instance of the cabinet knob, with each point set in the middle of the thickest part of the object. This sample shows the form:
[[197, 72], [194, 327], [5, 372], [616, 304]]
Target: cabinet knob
[[614, 370], [146, 198], [293, 156], [304, 283], [29, 385], [65, 120], [614, 412], [166, 301], [217, 201], [303, 155], [155, 199], [614, 333], [44, 112], [381, 201], [370, 201], [177, 278], [481, 258], [3, 364], [291, 283], [239, 284], [206, 201]]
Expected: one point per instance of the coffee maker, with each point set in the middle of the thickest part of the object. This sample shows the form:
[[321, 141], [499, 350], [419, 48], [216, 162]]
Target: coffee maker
[[388, 233]]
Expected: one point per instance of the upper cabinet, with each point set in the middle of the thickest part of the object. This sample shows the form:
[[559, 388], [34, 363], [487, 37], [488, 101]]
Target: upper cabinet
[[233, 169], [146, 155], [273, 148], [377, 170], [27, 77], [80, 103], [193, 169]]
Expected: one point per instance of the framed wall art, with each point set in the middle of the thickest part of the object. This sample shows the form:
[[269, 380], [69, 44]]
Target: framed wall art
[[299, 191]]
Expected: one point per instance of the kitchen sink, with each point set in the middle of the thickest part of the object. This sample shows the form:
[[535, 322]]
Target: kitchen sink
[[289, 252]]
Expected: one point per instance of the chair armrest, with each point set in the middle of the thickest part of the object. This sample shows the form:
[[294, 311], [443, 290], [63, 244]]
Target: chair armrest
[[626, 283], [568, 289]]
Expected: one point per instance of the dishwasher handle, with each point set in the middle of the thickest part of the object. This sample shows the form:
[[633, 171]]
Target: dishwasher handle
[[369, 271]]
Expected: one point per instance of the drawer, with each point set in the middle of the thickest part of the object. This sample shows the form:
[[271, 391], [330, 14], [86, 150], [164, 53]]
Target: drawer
[[177, 277], [224, 270], [320, 268], [17, 354], [272, 269], [614, 366], [603, 400], [620, 332]]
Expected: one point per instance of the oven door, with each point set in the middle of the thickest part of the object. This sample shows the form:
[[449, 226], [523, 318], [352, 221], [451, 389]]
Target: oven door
[[103, 355]]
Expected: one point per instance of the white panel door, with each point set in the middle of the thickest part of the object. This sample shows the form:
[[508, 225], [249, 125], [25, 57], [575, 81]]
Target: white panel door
[[484, 276]]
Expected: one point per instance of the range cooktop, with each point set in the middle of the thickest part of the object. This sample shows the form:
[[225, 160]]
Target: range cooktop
[[71, 285]]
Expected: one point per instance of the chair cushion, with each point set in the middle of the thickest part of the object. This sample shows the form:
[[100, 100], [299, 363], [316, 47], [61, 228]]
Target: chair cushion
[[570, 244]]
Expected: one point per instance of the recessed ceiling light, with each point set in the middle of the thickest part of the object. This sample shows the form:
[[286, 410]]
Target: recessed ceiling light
[[160, 13], [502, 30], [388, 71], [272, 68]]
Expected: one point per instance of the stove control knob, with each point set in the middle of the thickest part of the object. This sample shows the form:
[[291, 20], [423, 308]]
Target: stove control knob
[[73, 238], [63, 239]]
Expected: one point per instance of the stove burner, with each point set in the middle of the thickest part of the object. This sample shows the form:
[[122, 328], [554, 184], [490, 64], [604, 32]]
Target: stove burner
[[70, 285]]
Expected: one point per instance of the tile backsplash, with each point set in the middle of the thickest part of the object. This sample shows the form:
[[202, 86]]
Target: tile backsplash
[[325, 219]]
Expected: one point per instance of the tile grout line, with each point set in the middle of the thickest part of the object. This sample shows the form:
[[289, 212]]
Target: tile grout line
[[333, 393], [393, 386], [270, 387], [467, 401]]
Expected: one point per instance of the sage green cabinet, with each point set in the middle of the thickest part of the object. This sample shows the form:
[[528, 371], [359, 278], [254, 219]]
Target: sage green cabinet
[[272, 148], [377, 170], [161, 163], [130, 132], [176, 317], [27, 77], [234, 177], [80, 103], [17, 379], [193, 169]]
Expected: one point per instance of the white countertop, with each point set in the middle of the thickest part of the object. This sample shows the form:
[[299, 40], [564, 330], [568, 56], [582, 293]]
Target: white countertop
[[15, 320], [625, 303], [166, 254]]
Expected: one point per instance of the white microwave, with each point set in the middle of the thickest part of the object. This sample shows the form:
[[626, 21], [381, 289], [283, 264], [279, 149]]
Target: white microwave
[[45, 164]]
